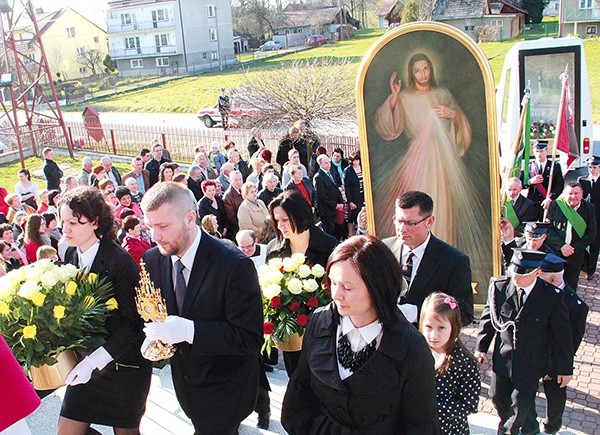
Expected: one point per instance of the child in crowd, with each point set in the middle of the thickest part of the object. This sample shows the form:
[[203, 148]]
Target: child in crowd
[[47, 252], [133, 243], [216, 157], [457, 376]]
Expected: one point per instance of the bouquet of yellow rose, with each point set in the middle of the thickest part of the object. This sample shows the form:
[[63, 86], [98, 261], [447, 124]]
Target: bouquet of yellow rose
[[291, 291], [46, 309]]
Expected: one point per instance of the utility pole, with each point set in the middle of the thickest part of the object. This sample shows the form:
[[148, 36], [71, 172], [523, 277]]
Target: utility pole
[[218, 39]]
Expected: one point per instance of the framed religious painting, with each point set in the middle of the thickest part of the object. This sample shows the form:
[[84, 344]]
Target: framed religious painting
[[427, 122]]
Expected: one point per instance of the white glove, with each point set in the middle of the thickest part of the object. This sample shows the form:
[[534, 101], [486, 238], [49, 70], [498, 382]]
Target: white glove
[[145, 345], [172, 331], [82, 372], [410, 312]]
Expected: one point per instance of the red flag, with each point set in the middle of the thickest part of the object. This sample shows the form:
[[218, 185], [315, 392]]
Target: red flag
[[566, 141]]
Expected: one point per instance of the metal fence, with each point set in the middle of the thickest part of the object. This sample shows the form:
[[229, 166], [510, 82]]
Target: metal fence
[[541, 30], [128, 139]]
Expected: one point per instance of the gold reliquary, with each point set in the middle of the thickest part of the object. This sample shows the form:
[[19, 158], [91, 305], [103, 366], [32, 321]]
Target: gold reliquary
[[152, 308]]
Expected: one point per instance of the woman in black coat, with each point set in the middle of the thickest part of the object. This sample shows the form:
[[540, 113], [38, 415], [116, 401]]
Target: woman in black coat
[[363, 369], [210, 203], [111, 383], [297, 233], [353, 186]]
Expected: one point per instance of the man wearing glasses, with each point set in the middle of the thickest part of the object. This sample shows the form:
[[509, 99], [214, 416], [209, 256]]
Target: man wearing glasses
[[591, 192], [428, 264]]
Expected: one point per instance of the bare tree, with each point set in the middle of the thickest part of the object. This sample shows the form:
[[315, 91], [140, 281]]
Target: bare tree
[[254, 17], [426, 8], [91, 59], [318, 89], [58, 63]]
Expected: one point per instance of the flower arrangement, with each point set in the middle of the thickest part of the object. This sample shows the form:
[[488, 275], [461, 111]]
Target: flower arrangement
[[291, 291], [46, 309], [542, 130]]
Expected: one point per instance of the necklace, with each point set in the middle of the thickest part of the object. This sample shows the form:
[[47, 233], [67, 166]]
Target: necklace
[[351, 360]]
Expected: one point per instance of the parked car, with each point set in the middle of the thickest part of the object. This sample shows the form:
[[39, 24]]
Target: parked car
[[238, 117], [271, 45], [313, 40]]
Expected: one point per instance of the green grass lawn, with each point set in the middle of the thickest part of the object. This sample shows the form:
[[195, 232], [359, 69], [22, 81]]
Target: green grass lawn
[[187, 95]]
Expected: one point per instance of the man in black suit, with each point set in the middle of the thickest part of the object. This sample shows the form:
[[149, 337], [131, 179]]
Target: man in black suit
[[573, 229], [329, 197], [518, 209], [429, 264], [292, 140], [591, 192], [153, 165], [215, 313], [530, 323], [556, 397], [51, 170], [539, 173]]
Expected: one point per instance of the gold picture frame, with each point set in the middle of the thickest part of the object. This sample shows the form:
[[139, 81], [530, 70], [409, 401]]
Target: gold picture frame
[[452, 155]]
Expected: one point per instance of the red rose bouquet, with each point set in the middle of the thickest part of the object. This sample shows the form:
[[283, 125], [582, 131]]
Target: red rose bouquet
[[291, 291]]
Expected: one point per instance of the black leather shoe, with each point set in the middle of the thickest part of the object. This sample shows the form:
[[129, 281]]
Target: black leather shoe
[[263, 421], [590, 275]]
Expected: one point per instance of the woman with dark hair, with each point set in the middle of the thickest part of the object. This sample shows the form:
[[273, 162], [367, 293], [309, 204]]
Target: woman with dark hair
[[297, 233], [53, 198], [211, 203], [34, 228], [354, 188], [167, 170], [364, 368], [27, 189], [52, 234], [111, 383]]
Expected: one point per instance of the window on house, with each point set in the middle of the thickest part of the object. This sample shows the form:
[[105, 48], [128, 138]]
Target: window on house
[[162, 62], [211, 11], [161, 40], [160, 15], [80, 51], [214, 55], [96, 39], [591, 30], [83, 70], [212, 34], [136, 63], [132, 42], [469, 28], [126, 19], [70, 32], [586, 4], [497, 23]]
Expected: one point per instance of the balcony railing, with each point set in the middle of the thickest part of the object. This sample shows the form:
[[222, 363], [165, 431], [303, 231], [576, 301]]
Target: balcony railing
[[141, 25], [142, 51], [573, 15]]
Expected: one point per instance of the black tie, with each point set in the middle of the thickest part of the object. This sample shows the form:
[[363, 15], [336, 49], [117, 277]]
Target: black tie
[[521, 294], [407, 267], [180, 285], [541, 170]]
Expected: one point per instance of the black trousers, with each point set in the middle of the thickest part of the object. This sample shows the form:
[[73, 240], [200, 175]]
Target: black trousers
[[328, 225], [233, 430], [291, 362], [592, 257], [515, 407], [556, 399]]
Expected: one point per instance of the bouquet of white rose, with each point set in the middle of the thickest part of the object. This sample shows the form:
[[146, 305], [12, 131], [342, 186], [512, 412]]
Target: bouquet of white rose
[[291, 291], [46, 309]]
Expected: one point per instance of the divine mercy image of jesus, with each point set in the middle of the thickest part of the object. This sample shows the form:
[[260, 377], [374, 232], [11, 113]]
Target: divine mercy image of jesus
[[422, 137]]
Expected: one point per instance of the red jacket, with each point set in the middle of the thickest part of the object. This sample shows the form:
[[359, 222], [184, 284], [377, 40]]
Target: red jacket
[[136, 247], [3, 204], [17, 397]]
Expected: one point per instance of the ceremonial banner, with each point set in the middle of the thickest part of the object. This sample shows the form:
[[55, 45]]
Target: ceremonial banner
[[427, 121]]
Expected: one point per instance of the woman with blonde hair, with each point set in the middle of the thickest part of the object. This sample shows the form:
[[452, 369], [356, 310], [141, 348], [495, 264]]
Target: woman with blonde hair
[[252, 211]]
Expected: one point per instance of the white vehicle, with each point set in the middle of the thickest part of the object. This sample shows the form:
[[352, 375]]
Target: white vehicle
[[540, 63]]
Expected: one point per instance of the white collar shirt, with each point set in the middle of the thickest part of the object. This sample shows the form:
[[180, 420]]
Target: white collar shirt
[[359, 338], [188, 258]]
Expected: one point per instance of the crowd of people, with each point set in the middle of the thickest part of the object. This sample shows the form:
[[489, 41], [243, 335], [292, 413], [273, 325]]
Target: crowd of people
[[384, 357]]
